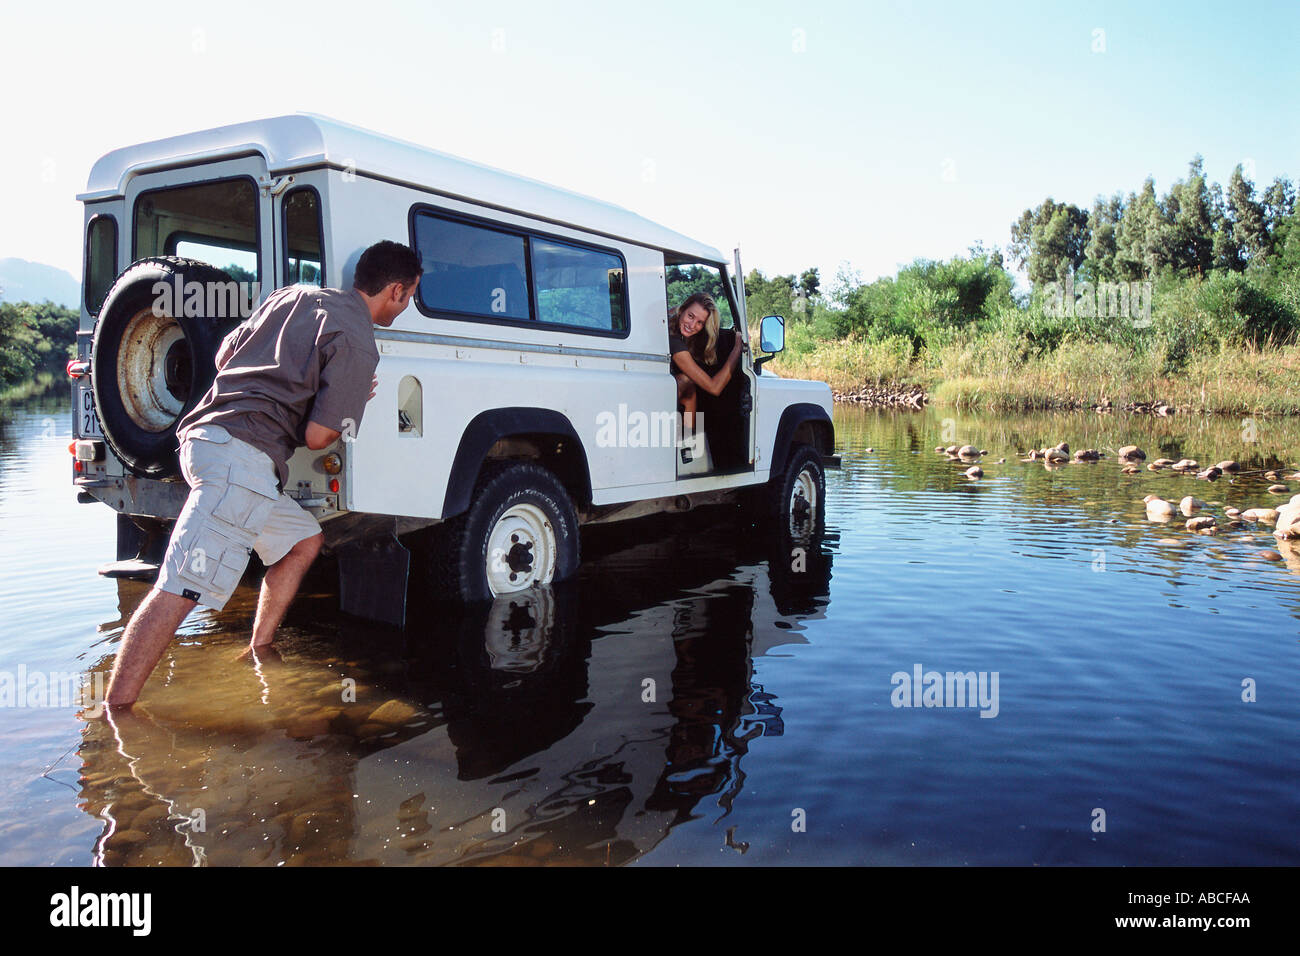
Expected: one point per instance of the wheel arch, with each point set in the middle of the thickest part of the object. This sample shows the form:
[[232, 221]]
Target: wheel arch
[[543, 435], [802, 423]]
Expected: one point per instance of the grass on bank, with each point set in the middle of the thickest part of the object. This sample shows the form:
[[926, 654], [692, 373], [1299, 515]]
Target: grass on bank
[[1221, 345]]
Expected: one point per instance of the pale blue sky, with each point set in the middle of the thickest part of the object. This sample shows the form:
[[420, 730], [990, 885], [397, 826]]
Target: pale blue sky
[[808, 133]]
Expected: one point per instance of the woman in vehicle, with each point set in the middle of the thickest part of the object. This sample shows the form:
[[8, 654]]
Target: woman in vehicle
[[701, 361]]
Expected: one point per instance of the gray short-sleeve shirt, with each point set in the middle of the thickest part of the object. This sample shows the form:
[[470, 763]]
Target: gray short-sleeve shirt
[[305, 354]]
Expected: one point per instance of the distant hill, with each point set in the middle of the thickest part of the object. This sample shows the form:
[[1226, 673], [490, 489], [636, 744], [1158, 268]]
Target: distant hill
[[23, 281]]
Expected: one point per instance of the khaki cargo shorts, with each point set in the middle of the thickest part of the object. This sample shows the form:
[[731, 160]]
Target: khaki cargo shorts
[[234, 506]]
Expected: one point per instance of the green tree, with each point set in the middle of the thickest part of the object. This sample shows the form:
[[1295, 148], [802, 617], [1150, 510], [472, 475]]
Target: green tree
[[1048, 241], [1247, 219], [1139, 253], [1187, 238], [1103, 237]]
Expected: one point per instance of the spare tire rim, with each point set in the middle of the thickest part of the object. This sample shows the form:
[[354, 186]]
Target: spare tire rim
[[520, 550], [154, 370], [803, 501]]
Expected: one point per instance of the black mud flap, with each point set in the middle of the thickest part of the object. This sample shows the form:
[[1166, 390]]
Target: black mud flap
[[141, 545], [372, 580]]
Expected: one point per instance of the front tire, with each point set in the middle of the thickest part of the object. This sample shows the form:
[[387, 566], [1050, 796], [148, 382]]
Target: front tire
[[520, 532], [797, 499]]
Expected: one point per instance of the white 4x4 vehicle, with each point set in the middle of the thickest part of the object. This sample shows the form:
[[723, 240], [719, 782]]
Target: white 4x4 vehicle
[[524, 392]]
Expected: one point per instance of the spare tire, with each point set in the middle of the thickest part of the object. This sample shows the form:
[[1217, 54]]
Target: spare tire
[[152, 358]]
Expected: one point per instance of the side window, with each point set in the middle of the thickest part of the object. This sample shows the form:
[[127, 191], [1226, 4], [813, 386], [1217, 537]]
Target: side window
[[685, 279], [304, 262], [215, 222], [495, 273], [577, 286], [101, 260], [471, 269]]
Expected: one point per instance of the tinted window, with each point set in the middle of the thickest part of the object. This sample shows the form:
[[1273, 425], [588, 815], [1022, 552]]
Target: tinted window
[[577, 286], [101, 260], [304, 264], [471, 269]]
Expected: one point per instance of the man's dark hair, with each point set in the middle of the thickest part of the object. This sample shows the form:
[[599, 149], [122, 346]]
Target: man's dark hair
[[386, 262]]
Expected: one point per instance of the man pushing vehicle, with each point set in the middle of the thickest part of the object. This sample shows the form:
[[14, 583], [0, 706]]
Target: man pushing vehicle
[[298, 372]]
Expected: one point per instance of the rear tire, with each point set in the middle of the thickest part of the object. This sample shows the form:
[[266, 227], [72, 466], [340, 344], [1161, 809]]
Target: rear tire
[[149, 370], [520, 532]]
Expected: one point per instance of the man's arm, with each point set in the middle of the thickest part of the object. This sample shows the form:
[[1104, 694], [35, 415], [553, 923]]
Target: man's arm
[[318, 436], [228, 345]]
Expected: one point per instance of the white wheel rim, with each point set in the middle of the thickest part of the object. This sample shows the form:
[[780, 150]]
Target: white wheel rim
[[520, 550], [518, 631], [803, 501], [142, 370]]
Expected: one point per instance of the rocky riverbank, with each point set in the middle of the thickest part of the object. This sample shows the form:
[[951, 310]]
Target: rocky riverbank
[[888, 395]]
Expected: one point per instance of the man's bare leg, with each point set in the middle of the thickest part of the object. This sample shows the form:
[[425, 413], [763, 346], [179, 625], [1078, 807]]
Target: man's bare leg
[[279, 587], [150, 630]]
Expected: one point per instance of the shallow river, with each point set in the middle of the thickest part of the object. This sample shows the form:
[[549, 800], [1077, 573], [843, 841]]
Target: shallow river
[[700, 696]]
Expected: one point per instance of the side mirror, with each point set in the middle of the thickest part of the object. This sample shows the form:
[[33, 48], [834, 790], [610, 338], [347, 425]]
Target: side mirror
[[771, 333]]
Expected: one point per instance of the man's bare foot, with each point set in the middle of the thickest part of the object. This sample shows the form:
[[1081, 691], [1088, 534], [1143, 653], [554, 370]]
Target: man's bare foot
[[260, 654]]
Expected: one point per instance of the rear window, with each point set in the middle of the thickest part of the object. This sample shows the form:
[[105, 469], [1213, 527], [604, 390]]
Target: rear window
[[215, 222], [101, 260]]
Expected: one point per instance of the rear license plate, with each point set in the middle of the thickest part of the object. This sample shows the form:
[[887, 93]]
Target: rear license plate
[[87, 418]]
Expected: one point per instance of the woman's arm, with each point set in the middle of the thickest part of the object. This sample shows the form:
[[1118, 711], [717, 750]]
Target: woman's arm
[[713, 384]]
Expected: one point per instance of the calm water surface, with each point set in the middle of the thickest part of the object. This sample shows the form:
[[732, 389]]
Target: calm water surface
[[700, 695]]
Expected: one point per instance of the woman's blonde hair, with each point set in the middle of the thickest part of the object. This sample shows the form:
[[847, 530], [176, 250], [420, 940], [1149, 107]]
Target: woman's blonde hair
[[712, 324]]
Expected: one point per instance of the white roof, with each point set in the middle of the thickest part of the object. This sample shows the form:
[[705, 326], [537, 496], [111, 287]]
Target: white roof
[[304, 140]]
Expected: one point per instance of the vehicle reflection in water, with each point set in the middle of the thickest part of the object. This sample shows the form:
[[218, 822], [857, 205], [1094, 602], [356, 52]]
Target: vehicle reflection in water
[[575, 725]]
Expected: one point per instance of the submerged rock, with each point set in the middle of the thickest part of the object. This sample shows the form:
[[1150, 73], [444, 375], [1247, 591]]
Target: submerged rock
[[1229, 466], [1288, 521], [1132, 453], [1278, 489], [1087, 454], [1261, 515], [1189, 505], [968, 451], [392, 712], [1270, 555], [1210, 474], [974, 471], [1158, 509], [1185, 464], [1203, 523]]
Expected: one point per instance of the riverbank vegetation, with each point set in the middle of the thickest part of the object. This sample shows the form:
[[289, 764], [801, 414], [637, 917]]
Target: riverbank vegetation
[[1192, 299], [36, 341]]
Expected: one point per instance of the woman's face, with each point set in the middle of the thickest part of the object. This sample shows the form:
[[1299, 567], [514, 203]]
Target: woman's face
[[692, 319]]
